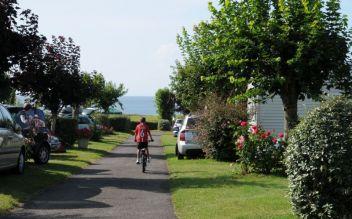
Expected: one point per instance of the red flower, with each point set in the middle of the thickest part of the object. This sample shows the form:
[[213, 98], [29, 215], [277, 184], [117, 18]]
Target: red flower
[[263, 136], [268, 133], [240, 142], [84, 133], [281, 135], [243, 123], [274, 140], [254, 129]]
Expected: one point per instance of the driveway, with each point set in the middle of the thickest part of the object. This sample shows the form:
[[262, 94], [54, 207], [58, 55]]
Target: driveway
[[114, 187]]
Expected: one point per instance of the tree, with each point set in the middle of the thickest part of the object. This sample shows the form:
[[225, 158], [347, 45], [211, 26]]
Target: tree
[[291, 48], [50, 73], [109, 96], [18, 37], [6, 91], [97, 83], [165, 103], [203, 71]]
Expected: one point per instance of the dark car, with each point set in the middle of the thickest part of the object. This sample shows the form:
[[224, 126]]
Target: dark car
[[12, 147], [38, 145]]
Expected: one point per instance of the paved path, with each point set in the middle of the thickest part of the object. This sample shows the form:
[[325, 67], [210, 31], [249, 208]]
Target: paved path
[[114, 187]]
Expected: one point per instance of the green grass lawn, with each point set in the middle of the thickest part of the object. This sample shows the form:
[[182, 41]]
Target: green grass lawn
[[15, 189], [208, 189]]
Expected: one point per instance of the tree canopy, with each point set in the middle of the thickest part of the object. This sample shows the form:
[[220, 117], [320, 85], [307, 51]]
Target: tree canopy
[[18, 37], [291, 48], [109, 96]]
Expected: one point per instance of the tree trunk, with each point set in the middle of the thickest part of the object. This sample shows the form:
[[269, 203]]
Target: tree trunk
[[289, 101], [53, 122], [75, 112]]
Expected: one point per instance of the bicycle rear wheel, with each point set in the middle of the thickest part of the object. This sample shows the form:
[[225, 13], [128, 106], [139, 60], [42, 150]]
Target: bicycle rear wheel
[[144, 163]]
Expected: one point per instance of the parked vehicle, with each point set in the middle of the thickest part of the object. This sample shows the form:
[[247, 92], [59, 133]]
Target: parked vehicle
[[85, 121], [12, 146], [54, 143], [176, 127], [187, 138], [66, 112], [89, 111], [37, 144]]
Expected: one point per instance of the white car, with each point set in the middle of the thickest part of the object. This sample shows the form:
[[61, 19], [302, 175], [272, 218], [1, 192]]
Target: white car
[[187, 138], [177, 126]]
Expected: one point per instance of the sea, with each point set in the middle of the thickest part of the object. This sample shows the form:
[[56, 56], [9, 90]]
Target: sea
[[141, 105]]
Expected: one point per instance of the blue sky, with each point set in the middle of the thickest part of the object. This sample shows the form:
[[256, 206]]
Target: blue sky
[[130, 42]]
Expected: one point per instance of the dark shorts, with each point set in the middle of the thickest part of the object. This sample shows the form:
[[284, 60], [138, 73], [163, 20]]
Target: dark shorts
[[142, 145]]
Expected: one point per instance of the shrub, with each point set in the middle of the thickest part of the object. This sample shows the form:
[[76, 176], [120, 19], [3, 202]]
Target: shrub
[[165, 103], [319, 161], [120, 124], [66, 130], [102, 119], [106, 130], [97, 134], [164, 125], [260, 150], [216, 127]]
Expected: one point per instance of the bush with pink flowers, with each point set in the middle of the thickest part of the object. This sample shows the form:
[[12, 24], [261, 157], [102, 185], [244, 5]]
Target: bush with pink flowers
[[259, 150], [216, 126]]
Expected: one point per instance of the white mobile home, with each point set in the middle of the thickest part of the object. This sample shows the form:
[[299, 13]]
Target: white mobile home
[[270, 115]]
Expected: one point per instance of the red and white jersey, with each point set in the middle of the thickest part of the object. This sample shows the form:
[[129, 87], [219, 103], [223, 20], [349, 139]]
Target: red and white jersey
[[141, 132]]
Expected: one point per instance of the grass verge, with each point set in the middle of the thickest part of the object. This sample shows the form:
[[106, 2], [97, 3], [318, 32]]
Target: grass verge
[[16, 189], [209, 189]]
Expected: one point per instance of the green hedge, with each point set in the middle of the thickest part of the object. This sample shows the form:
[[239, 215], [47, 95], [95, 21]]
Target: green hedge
[[120, 124], [319, 164], [66, 130], [102, 119]]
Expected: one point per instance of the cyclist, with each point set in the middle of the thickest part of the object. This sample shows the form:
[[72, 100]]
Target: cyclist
[[141, 134]]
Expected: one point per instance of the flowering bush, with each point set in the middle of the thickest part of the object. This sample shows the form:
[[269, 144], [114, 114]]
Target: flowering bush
[[258, 149], [216, 126], [84, 133]]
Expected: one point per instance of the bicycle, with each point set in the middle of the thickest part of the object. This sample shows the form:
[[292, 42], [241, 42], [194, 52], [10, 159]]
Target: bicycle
[[144, 157]]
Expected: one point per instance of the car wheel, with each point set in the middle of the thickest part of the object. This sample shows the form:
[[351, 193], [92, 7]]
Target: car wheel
[[21, 163], [43, 155], [180, 156]]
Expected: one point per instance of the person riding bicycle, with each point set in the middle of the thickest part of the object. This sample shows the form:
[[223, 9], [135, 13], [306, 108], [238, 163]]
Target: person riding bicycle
[[141, 134]]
